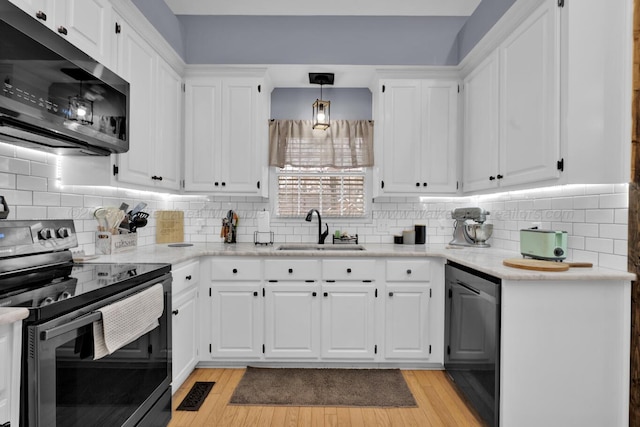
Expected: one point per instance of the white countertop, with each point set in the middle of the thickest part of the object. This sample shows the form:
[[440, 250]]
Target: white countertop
[[10, 315], [487, 260]]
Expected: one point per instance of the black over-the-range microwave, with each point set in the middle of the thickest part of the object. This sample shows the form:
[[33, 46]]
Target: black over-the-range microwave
[[53, 96]]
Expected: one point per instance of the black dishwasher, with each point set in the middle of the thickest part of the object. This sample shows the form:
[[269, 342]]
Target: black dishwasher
[[472, 337]]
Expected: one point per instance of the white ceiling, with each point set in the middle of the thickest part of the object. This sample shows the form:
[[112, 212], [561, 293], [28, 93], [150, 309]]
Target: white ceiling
[[325, 7]]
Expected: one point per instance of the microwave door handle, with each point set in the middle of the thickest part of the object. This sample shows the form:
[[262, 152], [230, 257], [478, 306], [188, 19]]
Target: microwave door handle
[[72, 325]]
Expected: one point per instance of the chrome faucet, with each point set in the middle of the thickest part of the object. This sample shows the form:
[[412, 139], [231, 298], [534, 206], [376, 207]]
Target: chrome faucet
[[321, 235]]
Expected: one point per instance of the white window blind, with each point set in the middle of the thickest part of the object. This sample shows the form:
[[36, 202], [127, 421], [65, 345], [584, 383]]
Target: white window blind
[[337, 193]]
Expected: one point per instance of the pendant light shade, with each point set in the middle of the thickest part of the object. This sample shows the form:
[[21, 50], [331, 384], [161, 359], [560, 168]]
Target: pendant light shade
[[321, 108]]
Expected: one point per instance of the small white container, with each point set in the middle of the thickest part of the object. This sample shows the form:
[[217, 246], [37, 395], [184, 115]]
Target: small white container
[[409, 237]]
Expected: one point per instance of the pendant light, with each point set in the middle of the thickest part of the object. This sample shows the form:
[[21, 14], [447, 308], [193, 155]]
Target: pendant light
[[321, 108]]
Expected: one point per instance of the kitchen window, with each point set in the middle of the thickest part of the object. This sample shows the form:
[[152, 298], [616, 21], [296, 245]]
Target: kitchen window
[[337, 193], [324, 170]]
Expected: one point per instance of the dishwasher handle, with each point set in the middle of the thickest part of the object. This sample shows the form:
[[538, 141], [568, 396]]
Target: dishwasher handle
[[484, 295]]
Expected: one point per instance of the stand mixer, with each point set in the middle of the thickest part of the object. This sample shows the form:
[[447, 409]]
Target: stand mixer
[[473, 234]]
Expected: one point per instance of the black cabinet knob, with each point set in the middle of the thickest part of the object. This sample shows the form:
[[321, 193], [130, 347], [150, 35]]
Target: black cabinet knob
[[290, 270], [499, 176], [390, 294], [235, 271], [62, 30], [156, 178], [326, 294], [424, 184], [255, 294], [348, 270], [216, 184], [314, 294], [491, 178], [41, 15], [417, 184], [188, 277], [224, 183], [175, 312], [409, 271]]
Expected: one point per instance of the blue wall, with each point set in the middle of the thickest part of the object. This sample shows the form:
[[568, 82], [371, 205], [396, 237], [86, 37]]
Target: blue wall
[[346, 103], [357, 40]]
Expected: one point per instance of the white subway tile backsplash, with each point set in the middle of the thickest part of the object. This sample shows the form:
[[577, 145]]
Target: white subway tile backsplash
[[31, 183], [598, 245], [587, 230], [621, 216], [621, 247], [585, 202], [617, 200], [31, 212], [44, 170], [46, 199], [613, 231], [600, 216], [13, 165], [7, 180], [615, 262]]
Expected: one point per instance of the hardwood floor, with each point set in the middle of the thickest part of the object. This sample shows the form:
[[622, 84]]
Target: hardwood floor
[[438, 405]]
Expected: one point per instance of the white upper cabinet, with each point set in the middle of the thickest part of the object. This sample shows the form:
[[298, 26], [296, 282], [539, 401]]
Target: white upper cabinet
[[225, 135], [155, 100], [511, 111], [85, 23], [418, 123]]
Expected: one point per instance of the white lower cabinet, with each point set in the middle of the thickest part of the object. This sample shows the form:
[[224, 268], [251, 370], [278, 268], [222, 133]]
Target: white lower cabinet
[[407, 301], [237, 309], [292, 320], [348, 321], [185, 325], [333, 310]]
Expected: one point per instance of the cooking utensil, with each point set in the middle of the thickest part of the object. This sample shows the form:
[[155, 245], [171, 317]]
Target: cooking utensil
[[540, 265], [100, 215], [137, 208]]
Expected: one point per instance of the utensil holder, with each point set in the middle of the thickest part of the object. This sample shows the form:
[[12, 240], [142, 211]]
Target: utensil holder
[[107, 243]]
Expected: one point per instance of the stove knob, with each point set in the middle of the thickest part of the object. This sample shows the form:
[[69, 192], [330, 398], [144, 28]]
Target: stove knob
[[64, 232], [46, 233], [64, 295], [46, 301]]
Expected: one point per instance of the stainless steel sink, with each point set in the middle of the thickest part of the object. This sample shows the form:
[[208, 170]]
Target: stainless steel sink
[[315, 247]]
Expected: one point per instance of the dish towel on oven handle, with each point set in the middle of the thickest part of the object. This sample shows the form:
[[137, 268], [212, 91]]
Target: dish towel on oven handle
[[125, 321]]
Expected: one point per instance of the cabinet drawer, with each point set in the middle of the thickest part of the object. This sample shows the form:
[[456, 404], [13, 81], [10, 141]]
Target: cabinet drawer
[[235, 269], [349, 269], [408, 271], [184, 276], [287, 269]]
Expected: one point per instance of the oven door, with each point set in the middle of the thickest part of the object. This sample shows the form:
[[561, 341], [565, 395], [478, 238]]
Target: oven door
[[65, 387]]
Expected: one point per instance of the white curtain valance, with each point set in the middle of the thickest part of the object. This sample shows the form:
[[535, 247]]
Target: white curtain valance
[[346, 144]]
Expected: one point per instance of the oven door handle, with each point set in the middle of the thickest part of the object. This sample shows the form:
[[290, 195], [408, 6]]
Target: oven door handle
[[72, 325]]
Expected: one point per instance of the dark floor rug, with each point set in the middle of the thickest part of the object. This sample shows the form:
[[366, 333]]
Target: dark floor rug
[[195, 398], [323, 387]]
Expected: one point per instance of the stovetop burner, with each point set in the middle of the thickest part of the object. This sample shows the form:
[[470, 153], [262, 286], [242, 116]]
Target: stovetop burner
[[38, 273]]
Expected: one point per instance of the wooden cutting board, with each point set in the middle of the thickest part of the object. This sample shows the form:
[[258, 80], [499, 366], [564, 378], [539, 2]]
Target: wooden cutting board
[[169, 226], [540, 265]]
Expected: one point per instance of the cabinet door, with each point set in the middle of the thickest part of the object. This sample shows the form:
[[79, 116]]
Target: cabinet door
[[407, 321], [529, 100], [166, 167], [203, 134], [40, 9], [401, 136], [292, 320], [5, 373], [480, 153], [237, 321], [87, 23], [348, 321], [439, 136], [184, 337], [137, 64], [239, 171]]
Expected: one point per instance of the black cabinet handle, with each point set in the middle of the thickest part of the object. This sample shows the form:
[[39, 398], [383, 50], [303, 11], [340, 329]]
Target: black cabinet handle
[[118, 28], [491, 178], [348, 270], [175, 312], [255, 294], [62, 30], [290, 270], [234, 271], [314, 294], [409, 271], [41, 15], [424, 184], [390, 294], [326, 294], [188, 277], [156, 178], [216, 184], [224, 183], [499, 176], [417, 184]]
